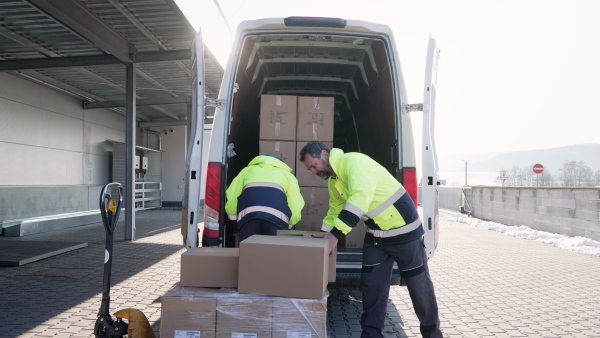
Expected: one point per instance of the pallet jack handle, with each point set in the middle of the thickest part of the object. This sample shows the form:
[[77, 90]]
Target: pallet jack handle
[[110, 210]]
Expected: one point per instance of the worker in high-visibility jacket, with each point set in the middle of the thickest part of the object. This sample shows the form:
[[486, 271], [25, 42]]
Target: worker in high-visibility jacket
[[360, 188], [264, 197]]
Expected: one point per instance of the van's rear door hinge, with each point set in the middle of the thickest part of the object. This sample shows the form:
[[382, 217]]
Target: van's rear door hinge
[[407, 108], [215, 103]]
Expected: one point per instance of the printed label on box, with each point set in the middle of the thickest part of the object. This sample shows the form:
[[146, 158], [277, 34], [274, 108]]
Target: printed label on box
[[298, 334], [244, 335], [186, 334]]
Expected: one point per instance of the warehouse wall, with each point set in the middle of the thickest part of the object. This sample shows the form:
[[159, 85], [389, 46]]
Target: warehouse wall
[[48, 140]]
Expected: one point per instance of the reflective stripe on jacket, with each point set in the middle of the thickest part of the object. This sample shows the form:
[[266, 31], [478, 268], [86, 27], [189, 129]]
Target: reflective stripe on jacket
[[366, 190], [265, 189]]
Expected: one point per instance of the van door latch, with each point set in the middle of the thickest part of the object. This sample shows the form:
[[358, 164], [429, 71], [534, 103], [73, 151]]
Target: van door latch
[[214, 103], [407, 108]]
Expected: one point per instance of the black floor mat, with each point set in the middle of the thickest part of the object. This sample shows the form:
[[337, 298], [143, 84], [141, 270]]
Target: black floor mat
[[17, 253]]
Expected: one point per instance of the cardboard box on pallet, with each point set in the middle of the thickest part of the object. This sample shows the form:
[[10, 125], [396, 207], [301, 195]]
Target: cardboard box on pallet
[[306, 233], [294, 317], [286, 151], [278, 117], [286, 266], [316, 204], [244, 316], [315, 118], [189, 311], [305, 177], [355, 238], [221, 262]]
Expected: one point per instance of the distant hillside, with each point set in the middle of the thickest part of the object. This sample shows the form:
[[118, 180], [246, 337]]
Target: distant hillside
[[552, 159]]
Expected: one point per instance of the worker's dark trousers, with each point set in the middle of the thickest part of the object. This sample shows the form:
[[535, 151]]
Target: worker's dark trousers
[[377, 268], [257, 227]]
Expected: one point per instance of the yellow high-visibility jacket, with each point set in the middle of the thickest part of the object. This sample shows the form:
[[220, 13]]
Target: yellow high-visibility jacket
[[265, 189], [365, 190]]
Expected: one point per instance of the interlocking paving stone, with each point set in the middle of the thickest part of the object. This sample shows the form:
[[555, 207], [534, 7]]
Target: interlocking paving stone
[[487, 284]]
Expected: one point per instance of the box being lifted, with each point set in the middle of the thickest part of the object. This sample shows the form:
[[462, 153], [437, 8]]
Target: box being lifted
[[287, 266], [278, 117], [308, 233]]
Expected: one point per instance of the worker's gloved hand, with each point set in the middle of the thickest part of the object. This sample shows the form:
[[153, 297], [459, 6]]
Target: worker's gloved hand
[[332, 240]]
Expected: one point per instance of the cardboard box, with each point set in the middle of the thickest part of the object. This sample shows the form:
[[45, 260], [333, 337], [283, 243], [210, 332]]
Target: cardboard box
[[286, 266], [187, 311], [286, 151], [240, 317], [293, 317], [278, 117], [316, 204], [210, 267], [332, 259], [305, 177], [315, 118], [355, 238]]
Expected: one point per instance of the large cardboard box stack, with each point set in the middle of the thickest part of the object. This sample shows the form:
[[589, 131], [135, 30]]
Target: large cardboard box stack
[[315, 123], [189, 312], [287, 266], [286, 151], [225, 313], [295, 317], [305, 177], [355, 238], [315, 118], [244, 317], [278, 117], [221, 263], [316, 204], [278, 114]]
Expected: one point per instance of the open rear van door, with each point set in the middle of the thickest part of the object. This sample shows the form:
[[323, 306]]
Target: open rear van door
[[430, 175], [193, 159]]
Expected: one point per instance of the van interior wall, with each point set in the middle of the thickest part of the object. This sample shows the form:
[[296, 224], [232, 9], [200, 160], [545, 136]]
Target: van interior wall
[[245, 123], [376, 113]]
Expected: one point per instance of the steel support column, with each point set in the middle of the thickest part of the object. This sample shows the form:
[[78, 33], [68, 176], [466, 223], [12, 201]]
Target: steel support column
[[130, 152]]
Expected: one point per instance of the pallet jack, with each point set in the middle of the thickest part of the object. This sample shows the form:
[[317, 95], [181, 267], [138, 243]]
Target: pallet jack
[[138, 326]]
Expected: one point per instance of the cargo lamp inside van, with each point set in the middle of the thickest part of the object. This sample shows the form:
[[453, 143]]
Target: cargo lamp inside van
[[303, 21]]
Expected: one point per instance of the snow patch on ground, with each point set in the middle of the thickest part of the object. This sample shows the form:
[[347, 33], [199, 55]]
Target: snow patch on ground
[[574, 244]]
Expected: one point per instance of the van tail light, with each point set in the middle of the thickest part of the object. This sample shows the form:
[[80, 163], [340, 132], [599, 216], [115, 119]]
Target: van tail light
[[409, 175], [212, 205]]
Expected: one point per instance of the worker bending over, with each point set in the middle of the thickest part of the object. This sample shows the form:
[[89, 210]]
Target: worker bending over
[[264, 197], [359, 188]]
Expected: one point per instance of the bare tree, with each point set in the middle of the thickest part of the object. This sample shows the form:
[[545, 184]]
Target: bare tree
[[576, 174]]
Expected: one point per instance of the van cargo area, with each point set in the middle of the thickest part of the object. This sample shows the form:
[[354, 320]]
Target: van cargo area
[[355, 70]]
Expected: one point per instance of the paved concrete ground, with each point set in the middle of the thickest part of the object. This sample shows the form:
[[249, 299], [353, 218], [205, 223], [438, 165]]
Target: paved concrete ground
[[488, 285]]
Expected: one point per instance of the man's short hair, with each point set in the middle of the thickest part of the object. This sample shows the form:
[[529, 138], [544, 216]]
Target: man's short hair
[[313, 149]]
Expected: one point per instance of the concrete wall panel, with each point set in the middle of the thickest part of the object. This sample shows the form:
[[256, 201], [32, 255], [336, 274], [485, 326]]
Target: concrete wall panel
[[571, 211], [24, 124], [39, 166], [31, 94]]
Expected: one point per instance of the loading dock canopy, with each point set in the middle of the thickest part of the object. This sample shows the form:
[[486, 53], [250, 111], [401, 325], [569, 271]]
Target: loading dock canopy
[[80, 47]]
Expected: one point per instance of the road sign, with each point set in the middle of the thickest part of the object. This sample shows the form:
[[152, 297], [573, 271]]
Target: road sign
[[538, 168]]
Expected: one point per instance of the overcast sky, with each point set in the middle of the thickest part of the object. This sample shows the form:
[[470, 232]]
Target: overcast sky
[[513, 75]]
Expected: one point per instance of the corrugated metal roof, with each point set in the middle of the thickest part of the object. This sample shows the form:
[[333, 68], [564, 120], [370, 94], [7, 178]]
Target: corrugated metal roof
[[80, 46]]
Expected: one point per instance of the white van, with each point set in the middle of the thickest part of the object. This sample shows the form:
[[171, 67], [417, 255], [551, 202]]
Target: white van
[[355, 62]]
